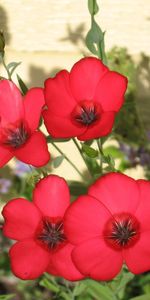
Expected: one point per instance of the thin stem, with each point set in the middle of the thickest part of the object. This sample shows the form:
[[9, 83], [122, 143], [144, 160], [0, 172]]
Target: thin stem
[[5, 66], [80, 151], [99, 144], [69, 161]]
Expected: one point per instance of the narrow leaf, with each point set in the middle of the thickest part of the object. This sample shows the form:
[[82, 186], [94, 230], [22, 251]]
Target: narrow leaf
[[22, 85], [57, 161], [89, 151]]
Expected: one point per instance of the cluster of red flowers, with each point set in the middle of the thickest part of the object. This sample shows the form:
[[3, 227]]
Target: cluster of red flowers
[[100, 231], [82, 103], [93, 237]]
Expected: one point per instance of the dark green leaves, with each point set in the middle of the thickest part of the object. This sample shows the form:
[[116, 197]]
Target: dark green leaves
[[22, 85], [89, 151]]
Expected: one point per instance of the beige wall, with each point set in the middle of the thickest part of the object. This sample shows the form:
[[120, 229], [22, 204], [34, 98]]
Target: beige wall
[[43, 25], [47, 35]]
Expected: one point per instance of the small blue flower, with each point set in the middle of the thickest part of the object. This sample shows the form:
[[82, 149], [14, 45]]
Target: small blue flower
[[5, 184], [21, 169]]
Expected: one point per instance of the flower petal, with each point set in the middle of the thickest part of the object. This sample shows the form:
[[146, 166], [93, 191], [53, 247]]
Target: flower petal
[[143, 211], [137, 258], [84, 77], [85, 219], [11, 104], [64, 265], [33, 103], [102, 128], [34, 151], [21, 219], [110, 91], [5, 156], [93, 258], [59, 127], [118, 192], [28, 260], [58, 94], [51, 195]]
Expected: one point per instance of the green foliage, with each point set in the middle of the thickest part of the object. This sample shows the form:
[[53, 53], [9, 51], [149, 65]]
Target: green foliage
[[7, 297], [22, 85], [89, 151], [57, 161], [12, 67], [95, 37], [93, 7]]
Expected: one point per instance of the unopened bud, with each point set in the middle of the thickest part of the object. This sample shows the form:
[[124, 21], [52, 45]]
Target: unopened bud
[[2, 43]]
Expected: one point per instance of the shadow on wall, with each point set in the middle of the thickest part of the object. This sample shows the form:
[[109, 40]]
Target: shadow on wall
[[4, 25], [76, 36], [143, 90], [38, 75]]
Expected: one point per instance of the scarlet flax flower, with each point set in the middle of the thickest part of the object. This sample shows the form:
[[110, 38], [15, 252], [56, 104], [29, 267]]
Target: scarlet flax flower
[[42, 244], [111, 226], [84, 102], [19, 120]]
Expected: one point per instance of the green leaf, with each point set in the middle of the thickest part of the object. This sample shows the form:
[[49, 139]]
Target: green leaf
[[22, 85], [12, 66], [95, 41], [114, 151], [57, 161], [98, 291], [50, 286], [109, 160], [89, 151], [93, 7], [77, 188], [143, 297], [79, 289], [65, 296], [7, 297]]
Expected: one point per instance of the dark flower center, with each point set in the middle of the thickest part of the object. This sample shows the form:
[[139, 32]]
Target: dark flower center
[[15, 136], [122, 231], [86, 113], [50, 234]]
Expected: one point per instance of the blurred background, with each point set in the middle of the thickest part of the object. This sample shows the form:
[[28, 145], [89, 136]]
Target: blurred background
[[47, 36]]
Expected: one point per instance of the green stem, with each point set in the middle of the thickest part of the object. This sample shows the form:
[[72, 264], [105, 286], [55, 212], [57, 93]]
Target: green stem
[[80, 151], [5, 66], [99, 144], [69, 161]]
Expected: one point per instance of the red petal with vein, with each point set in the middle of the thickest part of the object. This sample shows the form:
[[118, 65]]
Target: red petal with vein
[[85, 219], [11, 103], [110, 91], [58, 94], [137, 258], [33, 103], [94, 258], [34, 151], [85, 76], [21, 219], [28, 260], [101, 128], [51, 195], [118, 192], [5, 156], [64, 265], [59, 127]]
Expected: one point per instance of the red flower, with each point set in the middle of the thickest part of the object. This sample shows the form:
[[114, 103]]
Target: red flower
[[19, 120], [84, 102], [42, 245], [110, 226]]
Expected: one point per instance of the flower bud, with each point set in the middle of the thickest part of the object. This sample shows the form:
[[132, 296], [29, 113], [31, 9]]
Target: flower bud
[[2, 43]]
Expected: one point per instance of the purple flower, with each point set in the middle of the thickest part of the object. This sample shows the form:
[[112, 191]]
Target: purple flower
[[21, 169], [5, 184]]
